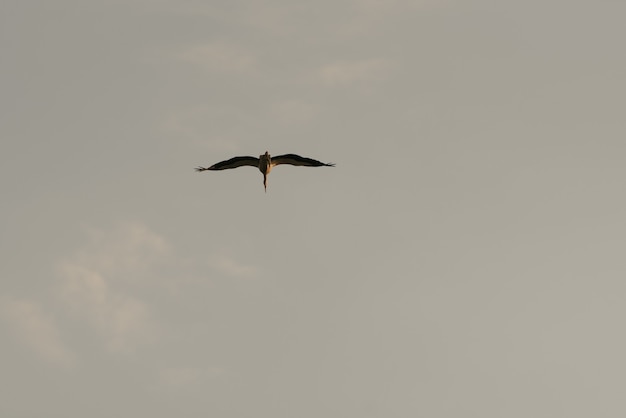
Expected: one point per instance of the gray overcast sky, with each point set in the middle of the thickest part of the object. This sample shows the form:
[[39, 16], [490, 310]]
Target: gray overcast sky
[[464, 259]]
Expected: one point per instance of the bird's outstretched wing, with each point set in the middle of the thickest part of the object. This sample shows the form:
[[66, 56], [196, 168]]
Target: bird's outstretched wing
[[294, 159], [232, 163]]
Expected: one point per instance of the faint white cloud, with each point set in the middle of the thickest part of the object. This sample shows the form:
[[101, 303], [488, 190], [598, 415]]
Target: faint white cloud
[[125, 252], [121, 319], [220, 57], [230, 267], [97, 283], [104, 284], [349, 72], [37, 330]]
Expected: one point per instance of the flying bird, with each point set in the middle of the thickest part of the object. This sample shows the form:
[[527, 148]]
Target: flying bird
[[265, 163]]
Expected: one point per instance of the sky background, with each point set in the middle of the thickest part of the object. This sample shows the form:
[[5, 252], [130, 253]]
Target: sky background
[[465, 258]]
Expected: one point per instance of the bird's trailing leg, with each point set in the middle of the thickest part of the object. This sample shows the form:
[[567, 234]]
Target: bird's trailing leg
[[265, 182]]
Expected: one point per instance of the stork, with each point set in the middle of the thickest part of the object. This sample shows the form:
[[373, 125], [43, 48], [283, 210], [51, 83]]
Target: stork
[[265, 163]]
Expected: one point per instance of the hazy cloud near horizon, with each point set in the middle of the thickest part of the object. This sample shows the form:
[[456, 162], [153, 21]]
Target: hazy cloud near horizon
[[464, 257]]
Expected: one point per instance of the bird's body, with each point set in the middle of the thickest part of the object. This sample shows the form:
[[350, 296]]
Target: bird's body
[[265, 163]]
